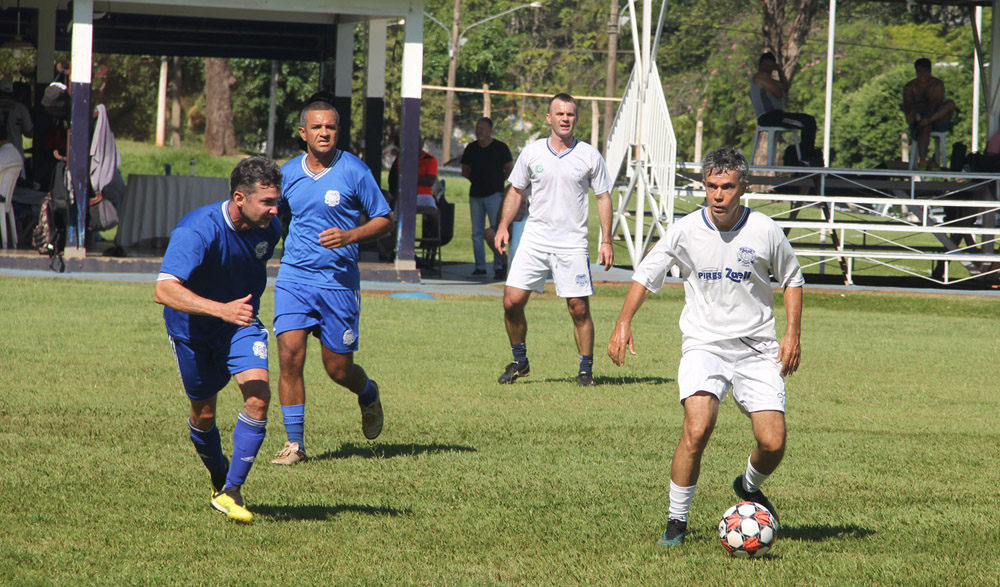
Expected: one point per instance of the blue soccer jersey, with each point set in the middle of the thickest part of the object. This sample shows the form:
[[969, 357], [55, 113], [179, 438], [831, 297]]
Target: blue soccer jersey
[[333, 198], [217, 262]]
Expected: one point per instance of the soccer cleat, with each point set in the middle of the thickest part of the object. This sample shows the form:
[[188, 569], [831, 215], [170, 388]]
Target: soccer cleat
[[585, 379], [219, 478], [290, 455], [230, 502], [372, 418], [756, 497], [674, 534], [513, 371]]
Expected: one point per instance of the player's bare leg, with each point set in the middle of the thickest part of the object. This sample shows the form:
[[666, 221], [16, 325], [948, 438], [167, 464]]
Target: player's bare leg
[[344, 371], [583, 331], [701, 411], [514, 301], [769, 432], [292, 395]]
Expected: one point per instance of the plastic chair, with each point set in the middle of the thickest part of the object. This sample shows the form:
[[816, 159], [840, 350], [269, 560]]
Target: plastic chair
[[437, 231], [772, 141], [8, 179], [940, 151]]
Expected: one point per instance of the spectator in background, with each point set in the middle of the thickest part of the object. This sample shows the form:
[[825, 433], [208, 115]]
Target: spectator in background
[[768, 93], [14, 116], [486, 163], [926, 108]]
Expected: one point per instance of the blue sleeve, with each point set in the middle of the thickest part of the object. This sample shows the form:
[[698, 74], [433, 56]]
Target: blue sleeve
[[185, 253], [371, 196]]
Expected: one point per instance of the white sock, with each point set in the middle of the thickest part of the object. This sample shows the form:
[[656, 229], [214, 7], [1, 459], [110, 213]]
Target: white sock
[[680, 501], [752, 478]]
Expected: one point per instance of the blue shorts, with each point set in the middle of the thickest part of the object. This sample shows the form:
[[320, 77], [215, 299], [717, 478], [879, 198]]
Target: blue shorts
[[331, 315], [206, 366]]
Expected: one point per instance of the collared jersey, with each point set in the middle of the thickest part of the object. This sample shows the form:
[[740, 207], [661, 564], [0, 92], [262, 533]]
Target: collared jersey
[[559, 207], [218, 262], [337, 196], [727, 289]]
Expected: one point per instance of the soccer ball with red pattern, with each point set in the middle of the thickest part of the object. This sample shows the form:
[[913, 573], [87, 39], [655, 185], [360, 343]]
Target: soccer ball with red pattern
[[747, 530]]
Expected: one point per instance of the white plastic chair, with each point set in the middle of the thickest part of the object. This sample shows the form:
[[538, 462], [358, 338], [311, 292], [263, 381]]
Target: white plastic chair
[[772, 141], [939, 152], [8, 179]]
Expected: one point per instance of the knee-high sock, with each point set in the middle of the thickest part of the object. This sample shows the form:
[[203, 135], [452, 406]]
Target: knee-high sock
[[247, 438], [680, 501], [209, 447], [752, 478], [294, 419]]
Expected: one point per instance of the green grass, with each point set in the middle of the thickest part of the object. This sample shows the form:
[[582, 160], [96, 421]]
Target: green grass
[[890, 476]]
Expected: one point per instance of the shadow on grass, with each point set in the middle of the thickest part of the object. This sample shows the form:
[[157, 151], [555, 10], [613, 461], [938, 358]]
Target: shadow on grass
[[821, 533], [388, 451], [285, 513], [602, 380]]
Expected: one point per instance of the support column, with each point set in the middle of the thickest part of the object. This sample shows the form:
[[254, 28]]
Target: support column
[[409, 138], [79, 142], [343, 73], [375, 101], [161, 104]]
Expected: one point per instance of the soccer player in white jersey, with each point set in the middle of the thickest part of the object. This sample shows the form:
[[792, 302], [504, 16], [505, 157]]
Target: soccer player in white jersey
[[318, 289], [726, 254], [560, 171], [210, 282]]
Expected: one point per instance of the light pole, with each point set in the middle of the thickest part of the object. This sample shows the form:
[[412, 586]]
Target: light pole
[[453, 48]]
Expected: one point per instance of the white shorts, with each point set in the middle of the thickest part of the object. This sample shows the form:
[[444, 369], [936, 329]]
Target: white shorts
[[570, 272], [748, 366]]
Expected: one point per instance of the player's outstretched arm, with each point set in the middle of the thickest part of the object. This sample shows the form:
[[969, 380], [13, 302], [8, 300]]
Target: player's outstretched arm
[[173, 294], [333, 238], [621, 335], [605, 252], [789, 351]]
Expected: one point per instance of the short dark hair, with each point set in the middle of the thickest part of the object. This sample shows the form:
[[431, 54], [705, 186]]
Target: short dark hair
[[487, 120], [922, 62], [726, 159], [251, 172], [562, 97], [767, 56], [317, 105]]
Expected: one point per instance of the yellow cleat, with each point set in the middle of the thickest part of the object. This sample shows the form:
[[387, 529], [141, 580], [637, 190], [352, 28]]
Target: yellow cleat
[[230, 502]]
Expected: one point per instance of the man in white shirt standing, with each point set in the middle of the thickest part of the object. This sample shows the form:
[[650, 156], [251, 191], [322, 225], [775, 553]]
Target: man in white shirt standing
[[560, 171], [726, 254]]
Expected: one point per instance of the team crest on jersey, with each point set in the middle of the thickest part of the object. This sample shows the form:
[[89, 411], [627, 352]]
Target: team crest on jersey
[[261, 249], [539, 168], [745, 256], [349, 337], [260, 350], [332, 197], [583, 280]]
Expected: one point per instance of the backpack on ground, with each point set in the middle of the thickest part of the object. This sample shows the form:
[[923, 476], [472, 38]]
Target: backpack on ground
[[49, 235]]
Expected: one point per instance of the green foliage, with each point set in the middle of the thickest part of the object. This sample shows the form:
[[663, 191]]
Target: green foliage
[[538, 483], [252, 96]]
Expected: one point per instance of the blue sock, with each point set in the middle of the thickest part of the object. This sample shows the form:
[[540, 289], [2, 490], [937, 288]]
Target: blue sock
[[586, 363], [368, 395], [209, 447], [294, 419], [247, 438], [520, 351]]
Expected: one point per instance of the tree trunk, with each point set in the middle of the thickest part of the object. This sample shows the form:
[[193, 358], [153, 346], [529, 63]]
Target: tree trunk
[[220, 135], [784, 40]]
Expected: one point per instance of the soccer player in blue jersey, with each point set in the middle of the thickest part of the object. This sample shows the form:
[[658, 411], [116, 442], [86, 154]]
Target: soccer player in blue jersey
[[318, 286], [211, 280]]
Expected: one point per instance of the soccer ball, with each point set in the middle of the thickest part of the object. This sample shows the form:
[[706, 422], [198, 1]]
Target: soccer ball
[[747, 530]]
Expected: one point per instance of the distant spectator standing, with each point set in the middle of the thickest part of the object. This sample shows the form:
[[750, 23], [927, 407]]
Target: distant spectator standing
[[769, 92], [486, 163], [14, 116], [926, 108]]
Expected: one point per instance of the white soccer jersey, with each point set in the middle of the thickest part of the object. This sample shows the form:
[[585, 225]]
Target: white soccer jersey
[[727, 290], [557, 216]]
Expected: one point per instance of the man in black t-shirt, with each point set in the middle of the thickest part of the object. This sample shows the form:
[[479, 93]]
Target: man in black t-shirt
[[486, 163]]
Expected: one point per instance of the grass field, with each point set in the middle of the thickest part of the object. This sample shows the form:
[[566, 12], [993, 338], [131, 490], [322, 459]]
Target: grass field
[[890, 476]]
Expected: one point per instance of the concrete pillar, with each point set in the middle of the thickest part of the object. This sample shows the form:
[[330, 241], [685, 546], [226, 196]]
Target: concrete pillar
[[343, 73], [79, 143], [375, 97], [406, 207]]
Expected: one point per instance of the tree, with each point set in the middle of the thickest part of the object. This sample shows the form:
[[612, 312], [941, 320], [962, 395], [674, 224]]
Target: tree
[[220, 134], [787, 41]]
